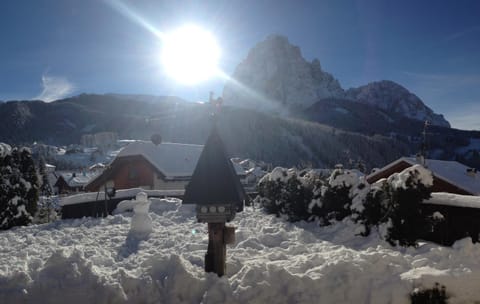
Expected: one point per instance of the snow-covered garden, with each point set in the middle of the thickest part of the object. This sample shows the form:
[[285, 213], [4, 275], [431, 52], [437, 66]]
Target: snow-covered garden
[[94, 261]]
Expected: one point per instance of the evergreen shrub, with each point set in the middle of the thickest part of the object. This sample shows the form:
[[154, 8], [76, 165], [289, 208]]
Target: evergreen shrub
[[18, 187]]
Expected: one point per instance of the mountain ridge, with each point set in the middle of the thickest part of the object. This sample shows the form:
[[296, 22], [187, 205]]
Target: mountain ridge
[[279, 140], [276, 77]]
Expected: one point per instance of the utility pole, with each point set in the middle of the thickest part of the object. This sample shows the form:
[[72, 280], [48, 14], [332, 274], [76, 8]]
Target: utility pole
[[423, 151]]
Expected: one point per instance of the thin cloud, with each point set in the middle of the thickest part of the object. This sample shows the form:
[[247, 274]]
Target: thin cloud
[[54, 88], [463, 33]]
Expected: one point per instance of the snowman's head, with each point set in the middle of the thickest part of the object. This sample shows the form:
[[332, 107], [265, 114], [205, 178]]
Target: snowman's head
[[141, 197]]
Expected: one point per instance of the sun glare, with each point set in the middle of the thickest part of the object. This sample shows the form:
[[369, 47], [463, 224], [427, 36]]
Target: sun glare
[[190, 54]]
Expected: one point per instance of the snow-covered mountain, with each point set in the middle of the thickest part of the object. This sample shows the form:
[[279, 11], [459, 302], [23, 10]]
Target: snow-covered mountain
[[393, 97], [275, 76]]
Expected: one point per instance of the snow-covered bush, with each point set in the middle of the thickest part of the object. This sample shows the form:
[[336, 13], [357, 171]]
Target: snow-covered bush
[[407, 190], [396, 203], [336, 197], [18, 187], [306, 195], [375, 208], [391, 205], [288, 193]]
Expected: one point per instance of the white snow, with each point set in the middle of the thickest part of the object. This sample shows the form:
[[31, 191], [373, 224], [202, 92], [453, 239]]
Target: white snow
[[93, 261], [124, 193], [452, 172], [279, 174], [456, 200], [343, 178], [417, 173], [172, 159], [284, 175], [5, 149], [438, 216]]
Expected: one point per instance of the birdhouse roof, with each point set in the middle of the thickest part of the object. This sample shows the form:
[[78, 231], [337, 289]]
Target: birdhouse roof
[[214, 180]]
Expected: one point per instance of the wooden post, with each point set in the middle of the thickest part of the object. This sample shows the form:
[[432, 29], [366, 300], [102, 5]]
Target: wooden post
[[217, 251]]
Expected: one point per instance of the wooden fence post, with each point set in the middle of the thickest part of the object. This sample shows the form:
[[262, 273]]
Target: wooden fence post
[[215, 259]]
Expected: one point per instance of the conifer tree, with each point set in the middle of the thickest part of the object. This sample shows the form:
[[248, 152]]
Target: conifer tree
[[18, 189], [46, 211], [336, 199], [408, 221], [297, 197], [397, 203]]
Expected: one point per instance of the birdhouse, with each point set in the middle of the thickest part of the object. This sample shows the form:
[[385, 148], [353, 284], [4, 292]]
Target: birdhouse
[[215, 187]]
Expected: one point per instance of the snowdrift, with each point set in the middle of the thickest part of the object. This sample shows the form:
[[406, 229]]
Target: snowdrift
[[93, 261]]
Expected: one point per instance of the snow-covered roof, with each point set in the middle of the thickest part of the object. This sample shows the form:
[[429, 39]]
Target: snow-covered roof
[[455, 200], [96, 166], [77, 179], [450, 171], [172, 159]]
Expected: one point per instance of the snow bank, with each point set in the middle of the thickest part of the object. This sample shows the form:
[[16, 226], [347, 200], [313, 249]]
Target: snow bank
[[91, 261]]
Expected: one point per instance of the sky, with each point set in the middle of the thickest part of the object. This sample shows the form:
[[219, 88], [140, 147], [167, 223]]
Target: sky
[[50, 49]]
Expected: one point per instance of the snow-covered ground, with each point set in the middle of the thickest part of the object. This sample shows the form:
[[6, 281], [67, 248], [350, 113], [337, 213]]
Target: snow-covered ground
[[96, 261]]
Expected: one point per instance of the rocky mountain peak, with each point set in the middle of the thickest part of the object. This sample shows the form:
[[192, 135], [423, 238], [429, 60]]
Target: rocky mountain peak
[[275, 76], [393, 97]]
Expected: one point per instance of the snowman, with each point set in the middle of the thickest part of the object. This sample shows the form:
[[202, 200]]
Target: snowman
[[141, 224]]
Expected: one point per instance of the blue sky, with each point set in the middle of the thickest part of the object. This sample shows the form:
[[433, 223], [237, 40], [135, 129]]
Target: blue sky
[[55, 48]]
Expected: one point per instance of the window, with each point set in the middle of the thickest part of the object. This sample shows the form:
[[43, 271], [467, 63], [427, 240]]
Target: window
[[132, 173]]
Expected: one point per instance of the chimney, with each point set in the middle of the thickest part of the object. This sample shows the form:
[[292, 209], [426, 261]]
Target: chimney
[[420, 159], [472, 172]]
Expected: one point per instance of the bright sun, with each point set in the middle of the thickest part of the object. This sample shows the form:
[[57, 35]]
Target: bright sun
[[190, 54]]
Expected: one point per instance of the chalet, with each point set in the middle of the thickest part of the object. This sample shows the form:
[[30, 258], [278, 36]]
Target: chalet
[[71, 182], [448, 176], [142, 164]]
